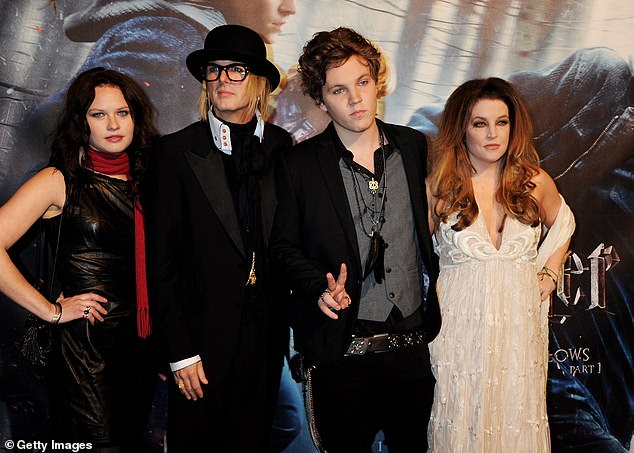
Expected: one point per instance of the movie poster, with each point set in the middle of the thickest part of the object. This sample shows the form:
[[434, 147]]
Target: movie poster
[[572, 61]]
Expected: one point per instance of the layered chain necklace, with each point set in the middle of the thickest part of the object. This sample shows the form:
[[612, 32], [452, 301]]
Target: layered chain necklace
[[375, 214]]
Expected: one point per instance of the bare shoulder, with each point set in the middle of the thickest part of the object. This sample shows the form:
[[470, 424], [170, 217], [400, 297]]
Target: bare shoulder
[[44, 192], [544, 185], [49, 175], [51, 179], [41, 196], [547, 196]]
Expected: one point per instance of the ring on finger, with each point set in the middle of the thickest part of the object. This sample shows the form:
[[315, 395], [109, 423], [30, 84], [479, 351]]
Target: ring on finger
[[181, 385], [87, 310]]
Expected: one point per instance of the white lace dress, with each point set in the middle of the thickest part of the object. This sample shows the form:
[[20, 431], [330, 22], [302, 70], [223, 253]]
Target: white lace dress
[[490, 357]]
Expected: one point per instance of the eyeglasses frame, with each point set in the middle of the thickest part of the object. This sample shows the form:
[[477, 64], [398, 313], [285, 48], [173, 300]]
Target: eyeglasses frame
[[226, 70]]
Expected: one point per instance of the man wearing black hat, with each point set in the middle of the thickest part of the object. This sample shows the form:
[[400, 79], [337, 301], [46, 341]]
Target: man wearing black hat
[[210, 207]]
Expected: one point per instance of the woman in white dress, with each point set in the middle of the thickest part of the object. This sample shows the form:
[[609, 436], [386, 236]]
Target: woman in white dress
[[489, 201]]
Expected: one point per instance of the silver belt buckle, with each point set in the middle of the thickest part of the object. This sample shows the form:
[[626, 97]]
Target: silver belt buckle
[[379, 343], [362, 345]]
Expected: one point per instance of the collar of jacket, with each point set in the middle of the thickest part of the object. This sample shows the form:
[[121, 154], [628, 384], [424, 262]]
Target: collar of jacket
[[340, 149]]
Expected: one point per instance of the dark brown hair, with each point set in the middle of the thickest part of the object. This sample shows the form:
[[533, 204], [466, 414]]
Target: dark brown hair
[[72, 133], [450, 179], [331, 49]]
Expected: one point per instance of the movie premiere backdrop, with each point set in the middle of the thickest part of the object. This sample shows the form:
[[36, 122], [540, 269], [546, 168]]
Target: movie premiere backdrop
[[571, 59]]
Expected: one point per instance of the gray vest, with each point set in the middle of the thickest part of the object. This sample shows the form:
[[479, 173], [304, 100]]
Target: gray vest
[[406, 280]]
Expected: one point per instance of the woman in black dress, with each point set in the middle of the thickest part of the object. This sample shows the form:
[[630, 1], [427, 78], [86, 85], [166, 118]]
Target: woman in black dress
[[100, 377]]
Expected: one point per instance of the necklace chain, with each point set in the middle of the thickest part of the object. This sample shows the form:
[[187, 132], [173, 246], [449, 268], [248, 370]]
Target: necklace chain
[[377, 216]]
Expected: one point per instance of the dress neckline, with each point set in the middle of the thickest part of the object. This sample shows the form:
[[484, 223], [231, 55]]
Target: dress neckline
[[488, 235]]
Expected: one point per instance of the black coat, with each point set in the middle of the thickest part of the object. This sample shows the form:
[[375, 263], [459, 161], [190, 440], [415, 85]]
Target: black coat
[[314, 233], [197, 264]]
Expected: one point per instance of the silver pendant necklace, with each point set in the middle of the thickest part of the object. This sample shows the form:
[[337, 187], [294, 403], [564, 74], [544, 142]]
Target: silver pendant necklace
[[373, 185]]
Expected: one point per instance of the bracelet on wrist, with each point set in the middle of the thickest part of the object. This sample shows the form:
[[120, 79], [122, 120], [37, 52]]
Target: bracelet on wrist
[[58, 313], [548, 273], [551, 272]]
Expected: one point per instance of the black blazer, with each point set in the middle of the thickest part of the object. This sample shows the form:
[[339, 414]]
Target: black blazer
[[314, 233], [197, 265]]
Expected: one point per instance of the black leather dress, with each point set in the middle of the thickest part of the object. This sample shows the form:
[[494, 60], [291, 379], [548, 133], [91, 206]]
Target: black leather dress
[[101, 381]]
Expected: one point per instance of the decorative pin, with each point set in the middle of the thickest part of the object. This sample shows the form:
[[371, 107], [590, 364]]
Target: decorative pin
[[373, 185], [252, 277]]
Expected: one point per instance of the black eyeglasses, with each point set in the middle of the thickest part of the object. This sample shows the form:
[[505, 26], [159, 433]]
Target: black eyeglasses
[[236, 72]]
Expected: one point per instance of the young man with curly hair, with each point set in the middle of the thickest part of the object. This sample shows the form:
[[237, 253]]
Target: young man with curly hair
[[352, 235]]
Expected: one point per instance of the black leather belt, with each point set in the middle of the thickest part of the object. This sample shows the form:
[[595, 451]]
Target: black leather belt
[[384, 342]]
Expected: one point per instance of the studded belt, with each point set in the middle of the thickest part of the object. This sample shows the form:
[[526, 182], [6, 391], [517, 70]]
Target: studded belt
[[384, 342]]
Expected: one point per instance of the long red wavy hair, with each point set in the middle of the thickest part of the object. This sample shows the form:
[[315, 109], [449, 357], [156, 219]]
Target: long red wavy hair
[[450, 179]]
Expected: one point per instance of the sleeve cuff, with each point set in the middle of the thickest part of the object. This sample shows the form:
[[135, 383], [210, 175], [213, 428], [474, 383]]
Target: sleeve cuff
[[184, 363]]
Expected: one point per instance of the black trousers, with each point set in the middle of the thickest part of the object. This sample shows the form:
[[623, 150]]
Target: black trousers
[[359, 396], [236, 415]]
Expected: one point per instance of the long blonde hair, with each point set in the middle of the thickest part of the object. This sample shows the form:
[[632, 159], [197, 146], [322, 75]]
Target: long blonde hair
[[450, 179], [258, 91]]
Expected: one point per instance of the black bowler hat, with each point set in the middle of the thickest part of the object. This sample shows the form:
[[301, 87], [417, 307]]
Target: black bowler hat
[[235, 43]]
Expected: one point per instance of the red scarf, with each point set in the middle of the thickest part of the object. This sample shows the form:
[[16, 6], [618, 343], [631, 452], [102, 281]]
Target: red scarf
[[119, 164]]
